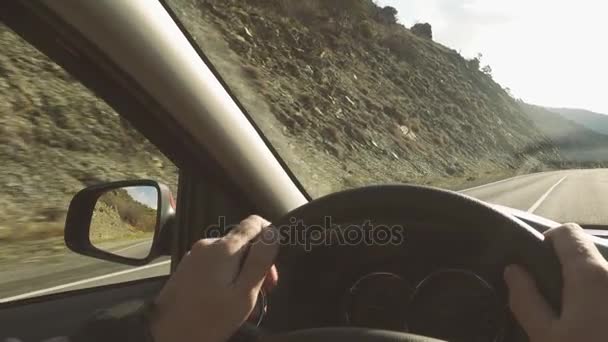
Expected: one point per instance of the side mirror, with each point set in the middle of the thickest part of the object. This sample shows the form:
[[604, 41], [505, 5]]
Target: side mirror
[[125, 222]]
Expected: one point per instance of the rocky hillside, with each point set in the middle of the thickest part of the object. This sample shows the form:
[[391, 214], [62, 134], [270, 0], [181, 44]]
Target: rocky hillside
[[56, 138], [118, 215], [352, 97]]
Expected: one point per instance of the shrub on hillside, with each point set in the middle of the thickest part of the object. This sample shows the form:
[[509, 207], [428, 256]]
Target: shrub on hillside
[[401, 45], [354, 9], [423, 30], [474, 63], [387, 15], [366, 29], [487, 70], [307, 10], [304, 10]]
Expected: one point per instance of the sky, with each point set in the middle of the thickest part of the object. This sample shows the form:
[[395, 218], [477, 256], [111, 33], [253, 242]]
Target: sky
[[147, 195], [548, 52]]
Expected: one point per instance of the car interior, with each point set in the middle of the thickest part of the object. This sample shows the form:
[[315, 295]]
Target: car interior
[[448, 266]]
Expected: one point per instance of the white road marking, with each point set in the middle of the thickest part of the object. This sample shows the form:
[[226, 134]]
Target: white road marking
[[80, 282], [132, 246], [544, 196]]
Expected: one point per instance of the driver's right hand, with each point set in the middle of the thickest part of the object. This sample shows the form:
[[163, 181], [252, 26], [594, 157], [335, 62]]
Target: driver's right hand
[[584, 315]]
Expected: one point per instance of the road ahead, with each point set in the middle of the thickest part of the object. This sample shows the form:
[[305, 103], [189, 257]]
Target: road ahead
[[563, 196], [572, 195]]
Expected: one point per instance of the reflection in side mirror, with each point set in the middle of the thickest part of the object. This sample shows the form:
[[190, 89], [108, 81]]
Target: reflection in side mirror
[[124, 221], [128, 222]]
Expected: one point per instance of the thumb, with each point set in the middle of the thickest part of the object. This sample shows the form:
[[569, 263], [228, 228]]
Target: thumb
[[259, 261], [527, 304]]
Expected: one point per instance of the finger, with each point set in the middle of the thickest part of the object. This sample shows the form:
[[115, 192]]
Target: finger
[[209, 241], [258, 262], [573, 246], [201, 245], [271, 280], [527, 304], [246, 231]]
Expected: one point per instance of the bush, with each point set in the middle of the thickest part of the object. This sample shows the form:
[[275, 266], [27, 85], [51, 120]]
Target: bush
[[423, 30], [487, 70], [387, 15], [473, 63], [354, 9], [307, 10], [401, 45], [304, 10], [366, 29], [332, 134]]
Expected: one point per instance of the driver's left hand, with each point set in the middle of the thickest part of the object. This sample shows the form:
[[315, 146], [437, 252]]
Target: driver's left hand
[[216, 285]]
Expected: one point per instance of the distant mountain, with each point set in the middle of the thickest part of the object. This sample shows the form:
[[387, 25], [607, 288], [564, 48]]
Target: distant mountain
[[594, 121], [576, 142]]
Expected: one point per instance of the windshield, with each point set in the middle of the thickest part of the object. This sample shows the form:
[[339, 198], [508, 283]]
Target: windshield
[[499, 100]]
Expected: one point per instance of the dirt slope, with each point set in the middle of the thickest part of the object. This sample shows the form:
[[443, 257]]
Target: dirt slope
[[362, 98]]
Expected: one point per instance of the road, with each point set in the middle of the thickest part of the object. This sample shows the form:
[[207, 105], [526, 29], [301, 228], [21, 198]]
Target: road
[[569, 195], [72, 271], [563, 196]]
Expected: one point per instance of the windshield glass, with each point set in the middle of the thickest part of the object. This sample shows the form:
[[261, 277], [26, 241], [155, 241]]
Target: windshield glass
[[499, 100]]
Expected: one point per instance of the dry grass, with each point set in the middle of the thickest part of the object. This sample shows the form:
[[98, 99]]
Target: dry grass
[[31, 231]]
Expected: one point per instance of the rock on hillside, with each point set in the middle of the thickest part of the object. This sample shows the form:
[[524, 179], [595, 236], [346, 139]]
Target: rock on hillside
[[350, 102]]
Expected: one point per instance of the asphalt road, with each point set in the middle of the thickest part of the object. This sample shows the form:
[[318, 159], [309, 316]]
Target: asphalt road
[[72, 271], [564, 196]]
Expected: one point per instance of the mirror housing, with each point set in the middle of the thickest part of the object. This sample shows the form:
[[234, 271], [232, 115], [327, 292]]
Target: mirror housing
[[80, 214]]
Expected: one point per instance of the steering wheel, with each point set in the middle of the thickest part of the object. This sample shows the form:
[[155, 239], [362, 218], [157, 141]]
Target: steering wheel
[[508, 240]]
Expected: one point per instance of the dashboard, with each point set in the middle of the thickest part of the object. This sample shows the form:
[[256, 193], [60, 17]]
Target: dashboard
[[452, 304]]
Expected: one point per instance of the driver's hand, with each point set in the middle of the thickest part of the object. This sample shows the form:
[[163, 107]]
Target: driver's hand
[[584, 314], [216, 285]]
